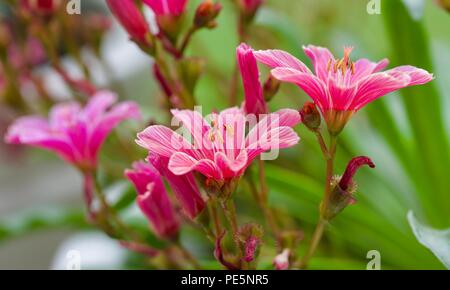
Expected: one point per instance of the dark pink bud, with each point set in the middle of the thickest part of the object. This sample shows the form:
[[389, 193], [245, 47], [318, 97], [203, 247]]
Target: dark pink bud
[[206, 14], [352, 167], [131, 18], [310, 116], [250, 248]]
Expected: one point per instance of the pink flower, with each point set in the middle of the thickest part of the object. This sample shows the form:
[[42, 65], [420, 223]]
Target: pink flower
[[220, 149], [153, 200], [254, 98], [184, 187], [167, 7], [74, 133], [340, 87], [131, 19]]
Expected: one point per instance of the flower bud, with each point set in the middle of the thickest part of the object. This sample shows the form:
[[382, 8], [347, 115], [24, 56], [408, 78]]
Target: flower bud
[[169, 16], [281, 261], [42, 7], [343, 188], [206, 14], [249, 8], [310, 116], [250, 235], [131, 18], [271, 87]]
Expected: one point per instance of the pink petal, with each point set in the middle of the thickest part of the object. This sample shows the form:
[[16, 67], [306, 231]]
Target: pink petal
[[161, 140], [278, 58], [152, 199], [98, 104], [365, 67], [288, 117], [418, 76], [342, 95], [64, 115], [167, 7], [320, 57], [193, 121], [181, 163], [377, 85], [313, 86], [254, 98], [35, 131], [231, 167], [380, 84], [184, 187], [109, 120]]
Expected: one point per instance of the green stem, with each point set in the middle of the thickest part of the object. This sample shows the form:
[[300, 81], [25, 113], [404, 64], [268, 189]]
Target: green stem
[[321, 224], [187, 39], [317, 236], [229, 210]]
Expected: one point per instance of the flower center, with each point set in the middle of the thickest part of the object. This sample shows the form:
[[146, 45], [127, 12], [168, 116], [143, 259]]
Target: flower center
[[342, 64]]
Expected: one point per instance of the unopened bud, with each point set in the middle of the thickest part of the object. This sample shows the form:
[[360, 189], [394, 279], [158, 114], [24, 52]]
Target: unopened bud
[[310, 116], [271, 87], [250, 235], [281, 261], [206, 14]]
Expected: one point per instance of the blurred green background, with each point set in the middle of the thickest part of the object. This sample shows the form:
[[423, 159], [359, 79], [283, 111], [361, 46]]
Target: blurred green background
[[406, 133]]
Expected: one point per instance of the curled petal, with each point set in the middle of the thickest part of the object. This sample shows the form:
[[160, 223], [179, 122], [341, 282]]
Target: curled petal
[[352, 167]]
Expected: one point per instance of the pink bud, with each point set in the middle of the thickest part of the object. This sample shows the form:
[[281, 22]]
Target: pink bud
[[281, 261], [250, 248], [128, 14]]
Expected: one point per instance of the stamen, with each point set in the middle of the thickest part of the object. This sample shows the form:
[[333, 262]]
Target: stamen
[[229, 129], [329, 65]]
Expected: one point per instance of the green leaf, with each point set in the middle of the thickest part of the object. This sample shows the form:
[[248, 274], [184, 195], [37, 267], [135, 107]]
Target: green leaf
[[437, 241], [42, 219], [415, 8]]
